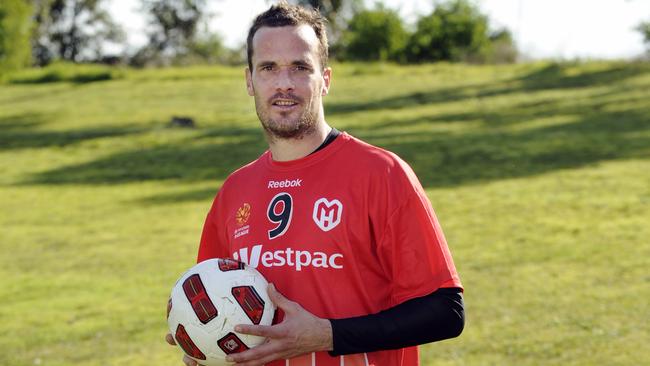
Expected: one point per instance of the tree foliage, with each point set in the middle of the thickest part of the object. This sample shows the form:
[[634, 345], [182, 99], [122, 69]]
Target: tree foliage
[[502, 47], [644, 29], [173, 28], [337, 13], [375, 35], [455, 31], [14, 34], [72, 30]]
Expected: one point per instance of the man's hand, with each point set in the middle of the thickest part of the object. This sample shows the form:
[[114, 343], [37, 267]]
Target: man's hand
[[188, 361], [299, 333]]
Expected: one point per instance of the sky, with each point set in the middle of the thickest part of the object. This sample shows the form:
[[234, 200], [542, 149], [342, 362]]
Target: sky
[[556, 29]]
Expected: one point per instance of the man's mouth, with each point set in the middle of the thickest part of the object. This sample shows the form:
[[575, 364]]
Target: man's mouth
[[284, 103]]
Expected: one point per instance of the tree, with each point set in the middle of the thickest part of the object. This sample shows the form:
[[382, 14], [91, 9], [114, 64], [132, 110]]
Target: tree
[[455, 31], [375, 35], [14, 34], [644, 29], [502, 47], [72, 30], [173, 29], [337, 12]]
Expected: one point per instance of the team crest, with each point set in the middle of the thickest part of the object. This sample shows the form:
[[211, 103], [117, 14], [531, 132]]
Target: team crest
[[243, 213], [327, 214]]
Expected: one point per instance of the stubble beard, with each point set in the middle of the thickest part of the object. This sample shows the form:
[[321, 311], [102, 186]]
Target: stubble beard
[[287, 128]]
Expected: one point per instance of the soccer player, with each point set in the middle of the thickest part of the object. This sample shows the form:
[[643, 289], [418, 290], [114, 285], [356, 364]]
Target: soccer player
[[343, 229]]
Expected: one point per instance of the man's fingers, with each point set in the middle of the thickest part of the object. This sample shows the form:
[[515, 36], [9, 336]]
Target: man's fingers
[[260, 354], [170, 339], [278, 299], [260, 361], [268, 331], [188, 361]]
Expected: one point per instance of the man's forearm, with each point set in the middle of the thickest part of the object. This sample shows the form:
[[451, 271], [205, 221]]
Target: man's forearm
[[437, 316]]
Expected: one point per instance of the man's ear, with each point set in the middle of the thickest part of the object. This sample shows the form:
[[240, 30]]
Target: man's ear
[[249, 82], [327, 78]]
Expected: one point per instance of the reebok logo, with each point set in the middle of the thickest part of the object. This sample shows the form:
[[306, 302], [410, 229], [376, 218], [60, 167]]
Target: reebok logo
[[284, 183], [288, 257]]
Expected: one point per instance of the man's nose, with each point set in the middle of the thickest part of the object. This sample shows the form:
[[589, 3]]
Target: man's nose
[[284, 81]]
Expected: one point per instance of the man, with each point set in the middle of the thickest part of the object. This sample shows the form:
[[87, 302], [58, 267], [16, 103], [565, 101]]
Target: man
[[342, 228]]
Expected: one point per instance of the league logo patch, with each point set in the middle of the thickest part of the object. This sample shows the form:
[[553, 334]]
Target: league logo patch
[[243, 213], [327, 214]]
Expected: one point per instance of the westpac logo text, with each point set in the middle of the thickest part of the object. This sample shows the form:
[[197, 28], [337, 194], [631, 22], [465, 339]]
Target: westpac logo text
[[298, 259], [284, 183]]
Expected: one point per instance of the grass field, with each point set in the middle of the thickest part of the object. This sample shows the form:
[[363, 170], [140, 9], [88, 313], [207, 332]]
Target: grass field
[[539, 173]]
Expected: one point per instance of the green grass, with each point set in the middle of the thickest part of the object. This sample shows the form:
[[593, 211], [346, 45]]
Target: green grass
[[539, 173]]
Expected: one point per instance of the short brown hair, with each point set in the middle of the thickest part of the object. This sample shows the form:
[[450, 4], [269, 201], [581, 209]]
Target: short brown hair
[[283, 14]]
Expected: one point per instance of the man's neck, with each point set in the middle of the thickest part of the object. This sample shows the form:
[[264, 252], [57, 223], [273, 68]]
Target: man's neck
[[292, 149]]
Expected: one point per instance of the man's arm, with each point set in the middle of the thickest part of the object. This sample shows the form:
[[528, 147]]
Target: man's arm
[[434, 317], [437, 316]]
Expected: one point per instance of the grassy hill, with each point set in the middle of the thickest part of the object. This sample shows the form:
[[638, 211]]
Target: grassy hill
[[539, 173]]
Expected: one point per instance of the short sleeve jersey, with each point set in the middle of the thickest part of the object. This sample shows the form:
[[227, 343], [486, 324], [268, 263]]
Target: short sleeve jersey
[[345, 231]]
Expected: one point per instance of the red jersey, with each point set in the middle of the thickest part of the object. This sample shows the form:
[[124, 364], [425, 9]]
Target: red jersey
[[345, 231]]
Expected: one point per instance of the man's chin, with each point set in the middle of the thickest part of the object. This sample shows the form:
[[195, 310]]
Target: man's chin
[[295, 130], [285, 134]]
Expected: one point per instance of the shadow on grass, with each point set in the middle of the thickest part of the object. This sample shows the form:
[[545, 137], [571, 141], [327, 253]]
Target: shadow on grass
[[591, 106], [76, 74], [18, 132], [444, 159], [192, 161], [400, 102], [558, 75], [19, 122], [200, 195], [54, 77], [439, 159], [552, 76]]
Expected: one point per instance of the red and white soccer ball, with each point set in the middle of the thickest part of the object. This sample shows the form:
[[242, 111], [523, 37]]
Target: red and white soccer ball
[[209, 300]]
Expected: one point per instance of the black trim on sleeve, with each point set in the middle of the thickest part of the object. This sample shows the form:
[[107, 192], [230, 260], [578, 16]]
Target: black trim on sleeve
[[434, 317]]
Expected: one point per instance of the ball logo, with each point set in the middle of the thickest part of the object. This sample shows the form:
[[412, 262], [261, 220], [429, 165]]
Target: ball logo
[[327, 214], [231, 344]]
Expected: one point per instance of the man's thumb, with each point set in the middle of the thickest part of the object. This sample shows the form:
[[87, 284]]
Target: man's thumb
[[278, 299]]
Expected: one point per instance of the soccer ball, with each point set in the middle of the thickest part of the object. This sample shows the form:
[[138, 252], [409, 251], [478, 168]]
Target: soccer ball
[[209, 300]]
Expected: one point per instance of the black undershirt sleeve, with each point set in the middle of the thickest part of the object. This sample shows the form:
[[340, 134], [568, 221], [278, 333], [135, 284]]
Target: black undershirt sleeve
[[434, 317]]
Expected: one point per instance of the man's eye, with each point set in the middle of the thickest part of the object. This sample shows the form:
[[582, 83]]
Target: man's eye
[[300, 68], [266, 68]]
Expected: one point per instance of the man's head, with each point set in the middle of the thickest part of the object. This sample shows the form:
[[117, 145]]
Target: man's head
[[282, 15], [287, 73]]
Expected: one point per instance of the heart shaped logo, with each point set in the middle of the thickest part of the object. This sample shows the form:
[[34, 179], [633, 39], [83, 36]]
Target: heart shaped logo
[[327, 214]]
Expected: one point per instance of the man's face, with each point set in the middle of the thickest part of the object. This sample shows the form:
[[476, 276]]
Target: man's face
[[287, 81]]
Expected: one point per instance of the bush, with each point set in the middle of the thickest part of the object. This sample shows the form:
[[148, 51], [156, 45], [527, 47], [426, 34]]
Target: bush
[[206, 50], [14, 34], [375, 35], [66, 72], [502, 48], [455, 31]]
